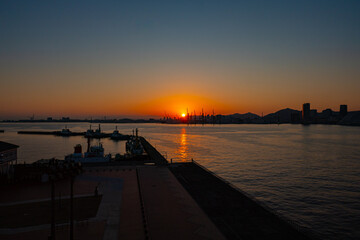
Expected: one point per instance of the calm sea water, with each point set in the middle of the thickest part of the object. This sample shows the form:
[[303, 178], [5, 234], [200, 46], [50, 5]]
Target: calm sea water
[[310, 174]]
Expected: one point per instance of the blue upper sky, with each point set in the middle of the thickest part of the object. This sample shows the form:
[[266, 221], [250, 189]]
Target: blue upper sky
[[247, 45]]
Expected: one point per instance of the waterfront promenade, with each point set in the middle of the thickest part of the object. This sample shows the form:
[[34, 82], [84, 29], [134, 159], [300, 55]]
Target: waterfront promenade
[[156, 201], [163, 210]]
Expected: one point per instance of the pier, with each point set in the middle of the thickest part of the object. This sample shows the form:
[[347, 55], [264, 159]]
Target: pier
[[148, 201], [154, 155], [54, 133], [234, 212], [69, 134]]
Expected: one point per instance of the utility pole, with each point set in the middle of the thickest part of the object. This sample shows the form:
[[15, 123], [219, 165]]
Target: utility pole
[[52, 207], [202, 116], [187, 116], [72, 204], [194, 117], [213, 117]]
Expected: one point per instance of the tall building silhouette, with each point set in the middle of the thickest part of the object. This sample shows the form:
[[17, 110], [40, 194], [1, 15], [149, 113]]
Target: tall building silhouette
[[343, 110], [306, 113]]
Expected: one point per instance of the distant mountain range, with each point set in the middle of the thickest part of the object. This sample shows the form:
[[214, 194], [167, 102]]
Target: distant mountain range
[[244, 116], [286, 115], [282, 116], [352, 118]]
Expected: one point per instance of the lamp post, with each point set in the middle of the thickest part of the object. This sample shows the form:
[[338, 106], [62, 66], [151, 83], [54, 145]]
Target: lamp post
[[52, 179], [72, 202], [53, 208]]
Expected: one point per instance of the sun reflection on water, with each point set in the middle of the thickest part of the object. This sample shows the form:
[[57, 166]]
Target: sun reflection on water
[[183, 148]]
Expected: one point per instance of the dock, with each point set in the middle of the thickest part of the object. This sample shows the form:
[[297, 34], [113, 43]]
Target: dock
[[69, 134], [55, 133], [144, 201], [235, 213], [154, 155]]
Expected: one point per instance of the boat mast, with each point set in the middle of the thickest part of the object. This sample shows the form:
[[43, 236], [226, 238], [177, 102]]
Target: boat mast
[[88, 145], [202, 116]]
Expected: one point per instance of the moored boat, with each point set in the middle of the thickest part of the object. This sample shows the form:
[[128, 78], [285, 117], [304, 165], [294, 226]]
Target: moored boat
[[89, 133], [65, 132], [94, 154], [133, 145], [96, 134], [118, 136]]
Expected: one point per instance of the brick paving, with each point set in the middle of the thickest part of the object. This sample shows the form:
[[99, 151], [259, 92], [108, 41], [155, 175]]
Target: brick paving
[[170, 212]]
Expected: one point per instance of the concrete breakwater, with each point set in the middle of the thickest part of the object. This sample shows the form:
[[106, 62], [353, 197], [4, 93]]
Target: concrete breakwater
[[68, 134], [237, 215], [158, 201], [234, 213], [56, 133], [154, 155]]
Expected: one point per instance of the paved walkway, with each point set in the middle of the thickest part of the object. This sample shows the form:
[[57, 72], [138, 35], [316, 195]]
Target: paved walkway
[[170, 211], [109, 209], [121, 209], [106, 223], [42, 200]]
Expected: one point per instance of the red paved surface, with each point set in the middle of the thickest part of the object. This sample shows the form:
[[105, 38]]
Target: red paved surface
[[130, 226], [170, 210], [36, 190], [88, 231]]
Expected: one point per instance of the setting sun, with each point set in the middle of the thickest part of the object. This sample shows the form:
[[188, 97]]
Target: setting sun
[[183, 115]]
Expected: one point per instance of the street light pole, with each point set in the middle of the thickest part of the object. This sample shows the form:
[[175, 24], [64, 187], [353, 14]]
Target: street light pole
[[52, 208], [71, 205]]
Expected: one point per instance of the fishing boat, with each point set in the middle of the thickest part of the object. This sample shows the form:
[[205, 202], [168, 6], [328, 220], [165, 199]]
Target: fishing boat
[[89, 133], [118, 136], [96, 134], [133, 145], [65, 132], [94, 154]]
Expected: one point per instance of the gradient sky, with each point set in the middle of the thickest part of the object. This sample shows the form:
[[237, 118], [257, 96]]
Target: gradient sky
[[139, 58]]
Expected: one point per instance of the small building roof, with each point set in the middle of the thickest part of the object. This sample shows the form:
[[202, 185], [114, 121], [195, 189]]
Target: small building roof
[[4, 146]]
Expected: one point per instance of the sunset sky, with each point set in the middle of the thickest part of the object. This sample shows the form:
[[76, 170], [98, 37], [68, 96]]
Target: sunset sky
[[145, 58]]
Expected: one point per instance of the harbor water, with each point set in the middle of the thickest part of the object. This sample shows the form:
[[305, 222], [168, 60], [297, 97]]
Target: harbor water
[[309, 174]]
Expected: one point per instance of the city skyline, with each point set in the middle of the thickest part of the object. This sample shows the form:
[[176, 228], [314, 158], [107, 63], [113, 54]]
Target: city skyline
[[192, 114], [142, 59]]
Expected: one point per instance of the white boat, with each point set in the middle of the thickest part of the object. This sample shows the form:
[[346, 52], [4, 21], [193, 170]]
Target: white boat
[[94, 154]]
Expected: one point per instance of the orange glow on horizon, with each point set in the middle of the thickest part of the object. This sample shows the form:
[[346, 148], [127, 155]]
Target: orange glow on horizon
[[174, 104]]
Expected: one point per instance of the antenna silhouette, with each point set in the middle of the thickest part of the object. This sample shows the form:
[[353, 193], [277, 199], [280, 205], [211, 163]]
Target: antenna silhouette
[[213, 117], [194, 117], [202, 116], [187, 115]]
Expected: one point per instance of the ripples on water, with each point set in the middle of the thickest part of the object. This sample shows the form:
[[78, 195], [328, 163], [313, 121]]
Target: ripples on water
[[309, 174]]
